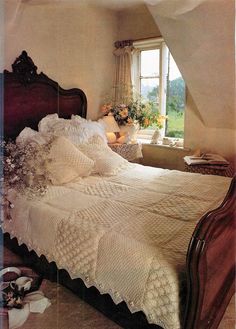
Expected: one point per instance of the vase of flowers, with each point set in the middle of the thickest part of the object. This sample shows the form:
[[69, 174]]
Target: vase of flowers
[[128, 114], [137, 114], [130, 130], [159, 125]]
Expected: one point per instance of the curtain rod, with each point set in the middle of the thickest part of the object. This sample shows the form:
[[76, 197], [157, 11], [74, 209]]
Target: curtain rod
[[127, 43]]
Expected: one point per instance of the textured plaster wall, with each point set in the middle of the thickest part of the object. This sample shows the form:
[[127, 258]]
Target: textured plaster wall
[[71, 42], [1, 35], [164, 157], [202, 40], [137, 23], [209, 124], [201, 37], [208, 139]]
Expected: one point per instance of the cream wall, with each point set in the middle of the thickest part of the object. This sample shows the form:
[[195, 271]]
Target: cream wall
[[197, 137], [164, 156], [197, 134], [200, 35], [201, 38], [208, 139], [137, 23], [71, 42], [1, 38]]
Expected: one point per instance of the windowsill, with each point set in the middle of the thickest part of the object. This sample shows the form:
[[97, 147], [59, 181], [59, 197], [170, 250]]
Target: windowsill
[[159, 144]]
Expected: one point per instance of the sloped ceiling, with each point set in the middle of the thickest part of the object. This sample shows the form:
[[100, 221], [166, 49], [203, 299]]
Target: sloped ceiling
[[200, 35]]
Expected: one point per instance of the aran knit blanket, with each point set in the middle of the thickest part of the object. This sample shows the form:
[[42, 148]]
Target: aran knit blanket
[[127, 234]]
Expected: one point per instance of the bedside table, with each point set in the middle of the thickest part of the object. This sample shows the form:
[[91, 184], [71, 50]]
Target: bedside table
[[210, 170], [130, 152]]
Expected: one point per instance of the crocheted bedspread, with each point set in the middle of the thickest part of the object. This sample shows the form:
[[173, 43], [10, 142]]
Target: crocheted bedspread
[[126, 234]]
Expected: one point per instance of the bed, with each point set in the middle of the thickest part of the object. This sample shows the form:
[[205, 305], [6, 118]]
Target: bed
[[202, 232]]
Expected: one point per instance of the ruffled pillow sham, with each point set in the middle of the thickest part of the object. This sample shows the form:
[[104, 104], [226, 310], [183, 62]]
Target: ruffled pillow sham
[[28, 135], [47, 123], [77, 130], [89, 128], [107, 162]]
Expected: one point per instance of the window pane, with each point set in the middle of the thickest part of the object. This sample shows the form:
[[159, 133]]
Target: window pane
[[150, 89], [175, 101], [150, 63], [150, 92]]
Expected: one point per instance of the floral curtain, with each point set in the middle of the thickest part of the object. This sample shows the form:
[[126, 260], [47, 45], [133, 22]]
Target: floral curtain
[[123, 81]]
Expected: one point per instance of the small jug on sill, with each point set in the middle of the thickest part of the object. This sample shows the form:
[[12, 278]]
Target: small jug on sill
[[155, 136]]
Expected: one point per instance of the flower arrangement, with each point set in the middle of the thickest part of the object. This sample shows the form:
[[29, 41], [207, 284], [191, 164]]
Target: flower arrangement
[[135, 112], [24, 168], [160, 120]]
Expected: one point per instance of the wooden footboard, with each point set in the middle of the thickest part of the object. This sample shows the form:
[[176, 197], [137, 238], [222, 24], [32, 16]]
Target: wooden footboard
[[211, 265]]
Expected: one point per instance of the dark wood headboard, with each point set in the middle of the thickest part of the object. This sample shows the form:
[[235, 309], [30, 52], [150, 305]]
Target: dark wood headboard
[[29, 96]]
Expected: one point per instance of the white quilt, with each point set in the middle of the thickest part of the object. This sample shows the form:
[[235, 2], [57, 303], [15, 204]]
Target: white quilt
[[127, 234]]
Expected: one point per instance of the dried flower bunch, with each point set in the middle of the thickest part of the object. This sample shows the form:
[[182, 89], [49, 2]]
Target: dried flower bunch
[[24, 168]]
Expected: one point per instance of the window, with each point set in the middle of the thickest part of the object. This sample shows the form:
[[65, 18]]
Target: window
[[158, 79], [149, 77]]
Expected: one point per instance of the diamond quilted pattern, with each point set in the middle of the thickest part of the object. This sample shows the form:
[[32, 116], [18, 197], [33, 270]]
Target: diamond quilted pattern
[[76, 248], [162, 295], [105, 189]]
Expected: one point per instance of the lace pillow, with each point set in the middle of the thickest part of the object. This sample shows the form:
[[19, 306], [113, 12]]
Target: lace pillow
[[46, 124], [88, 128], [107, 162], [77, 130], [55, 126], [28, 135], [78, 118], [66, 162]]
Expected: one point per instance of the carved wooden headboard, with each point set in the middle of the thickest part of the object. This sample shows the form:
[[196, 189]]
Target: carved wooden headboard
[[29, 96]]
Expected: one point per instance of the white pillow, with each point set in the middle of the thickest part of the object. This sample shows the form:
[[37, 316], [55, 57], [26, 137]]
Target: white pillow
[[88, 128], [107, 162], [45, 125], [28, 135], [66, 162], [78, 118], [55, 126], [77, 130]]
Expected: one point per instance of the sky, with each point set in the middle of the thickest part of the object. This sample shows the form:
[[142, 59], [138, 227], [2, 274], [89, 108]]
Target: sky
[[149, 68]]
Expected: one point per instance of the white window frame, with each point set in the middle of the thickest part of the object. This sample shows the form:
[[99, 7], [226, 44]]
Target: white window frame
[[149, 44]]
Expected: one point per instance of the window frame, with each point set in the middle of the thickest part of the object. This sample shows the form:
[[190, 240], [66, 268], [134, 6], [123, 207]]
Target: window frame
[[158, 77], [151, 44]]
